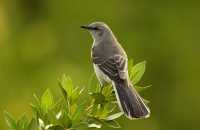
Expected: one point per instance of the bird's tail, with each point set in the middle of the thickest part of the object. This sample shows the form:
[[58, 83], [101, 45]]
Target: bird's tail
[[130, 101]]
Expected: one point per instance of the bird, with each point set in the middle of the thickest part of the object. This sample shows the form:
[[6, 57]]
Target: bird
[[110, 64]]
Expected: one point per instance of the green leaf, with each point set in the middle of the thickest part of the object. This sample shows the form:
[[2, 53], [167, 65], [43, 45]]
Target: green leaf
[[10, 120], [139, 88], [56, 127], [22, 123], [37, 100], [49, 118], [78, 114], [67, 84], [36, 105], [107, 90], [130, 65], [93, 125], [137, 72], [63, 91], [114, 116], [36, 110], [92, 83], [76, 94], [112, 124], [32, 125], [47, 101], [64, 119], [104, 110], [99, 98]]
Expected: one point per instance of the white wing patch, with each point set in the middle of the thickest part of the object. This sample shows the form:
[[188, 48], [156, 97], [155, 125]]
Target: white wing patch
[[122, 66]]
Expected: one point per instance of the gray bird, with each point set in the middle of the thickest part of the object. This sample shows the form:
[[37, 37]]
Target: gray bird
[[110, 65]]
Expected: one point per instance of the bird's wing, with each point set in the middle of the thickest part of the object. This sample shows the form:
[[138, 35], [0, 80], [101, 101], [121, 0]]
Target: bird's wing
[[115, 67]]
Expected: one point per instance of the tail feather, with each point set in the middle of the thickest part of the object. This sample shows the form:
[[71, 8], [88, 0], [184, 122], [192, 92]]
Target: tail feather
[[130, 101]]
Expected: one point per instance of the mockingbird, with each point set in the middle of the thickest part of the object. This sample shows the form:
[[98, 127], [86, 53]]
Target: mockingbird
[[110, 65]]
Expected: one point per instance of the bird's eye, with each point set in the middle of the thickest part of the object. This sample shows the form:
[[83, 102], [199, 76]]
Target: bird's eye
[[96, 28]]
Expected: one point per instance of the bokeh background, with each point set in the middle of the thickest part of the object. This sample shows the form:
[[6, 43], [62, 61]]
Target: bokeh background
[[41, 39]]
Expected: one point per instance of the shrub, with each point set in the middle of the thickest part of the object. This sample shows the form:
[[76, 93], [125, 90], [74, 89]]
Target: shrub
[[78, 108]]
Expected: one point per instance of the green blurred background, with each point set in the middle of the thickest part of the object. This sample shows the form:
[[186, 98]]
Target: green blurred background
[[41, 39]]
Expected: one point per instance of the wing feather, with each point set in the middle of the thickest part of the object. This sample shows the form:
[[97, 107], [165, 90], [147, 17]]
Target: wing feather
[[114, 67]]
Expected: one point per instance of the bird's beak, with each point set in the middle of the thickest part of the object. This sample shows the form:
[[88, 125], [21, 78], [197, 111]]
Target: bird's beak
[[87, 27]]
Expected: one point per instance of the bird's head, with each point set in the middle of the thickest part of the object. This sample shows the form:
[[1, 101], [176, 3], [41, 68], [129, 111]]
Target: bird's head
[[98, 30]]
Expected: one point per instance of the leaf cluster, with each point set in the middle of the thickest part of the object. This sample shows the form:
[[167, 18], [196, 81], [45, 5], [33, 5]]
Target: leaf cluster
[[93, 106]]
